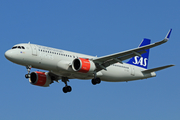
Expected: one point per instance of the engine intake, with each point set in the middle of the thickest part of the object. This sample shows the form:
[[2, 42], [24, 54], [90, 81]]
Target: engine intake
[[40, 79], [83, 65]]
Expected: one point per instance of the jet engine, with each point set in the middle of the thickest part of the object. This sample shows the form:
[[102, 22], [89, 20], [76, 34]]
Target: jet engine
[[40, 79], [83, 65]]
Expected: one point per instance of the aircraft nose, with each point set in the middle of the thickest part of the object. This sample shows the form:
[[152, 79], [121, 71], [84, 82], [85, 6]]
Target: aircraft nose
[[8, 54]]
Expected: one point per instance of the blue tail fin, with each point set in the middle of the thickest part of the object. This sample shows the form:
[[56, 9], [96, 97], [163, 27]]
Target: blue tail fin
[[141, 61]]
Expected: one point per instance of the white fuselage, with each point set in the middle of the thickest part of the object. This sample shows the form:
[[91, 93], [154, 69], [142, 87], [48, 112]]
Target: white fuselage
[[59, 62]]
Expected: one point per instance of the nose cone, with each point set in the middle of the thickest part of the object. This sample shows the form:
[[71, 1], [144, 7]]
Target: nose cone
[[11, 55], [8, 54], [14, 56]]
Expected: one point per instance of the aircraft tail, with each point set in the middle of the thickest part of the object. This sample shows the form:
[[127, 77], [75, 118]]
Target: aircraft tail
[[143, 60]]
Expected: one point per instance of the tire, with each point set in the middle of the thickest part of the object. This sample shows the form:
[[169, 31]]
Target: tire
[[65, 89], [98, 80], [27, 76], [93, 81], [69, 89]]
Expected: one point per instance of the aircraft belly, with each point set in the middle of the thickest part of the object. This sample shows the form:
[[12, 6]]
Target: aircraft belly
[[73, 75]]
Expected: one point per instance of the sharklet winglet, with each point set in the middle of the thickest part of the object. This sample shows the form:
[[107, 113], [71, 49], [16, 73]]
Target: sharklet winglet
[[168, 35]]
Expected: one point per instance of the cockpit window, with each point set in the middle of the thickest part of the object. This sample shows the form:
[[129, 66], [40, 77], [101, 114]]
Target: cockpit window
[[18, 47], [14, 47]]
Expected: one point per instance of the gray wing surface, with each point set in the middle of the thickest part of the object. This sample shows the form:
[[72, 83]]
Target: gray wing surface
[[105, 61]]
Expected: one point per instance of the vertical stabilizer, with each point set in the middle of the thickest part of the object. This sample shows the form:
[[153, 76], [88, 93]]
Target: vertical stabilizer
[[143, 60]]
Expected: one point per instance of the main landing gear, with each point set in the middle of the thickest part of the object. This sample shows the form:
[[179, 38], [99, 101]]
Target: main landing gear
[[66, 88], [28, 69], [96, 81]]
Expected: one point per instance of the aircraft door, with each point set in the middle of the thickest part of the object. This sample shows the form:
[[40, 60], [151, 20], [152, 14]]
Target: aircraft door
[[34, 50], [132, 71]]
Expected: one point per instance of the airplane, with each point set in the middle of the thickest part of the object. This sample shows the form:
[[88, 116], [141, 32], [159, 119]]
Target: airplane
[[64, 65]]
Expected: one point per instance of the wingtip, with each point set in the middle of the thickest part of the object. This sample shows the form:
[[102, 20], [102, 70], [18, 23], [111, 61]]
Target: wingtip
[[168, 35], [170, 65]]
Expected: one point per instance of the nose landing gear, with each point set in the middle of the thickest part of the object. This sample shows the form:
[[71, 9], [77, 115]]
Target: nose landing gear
[[28, 69]]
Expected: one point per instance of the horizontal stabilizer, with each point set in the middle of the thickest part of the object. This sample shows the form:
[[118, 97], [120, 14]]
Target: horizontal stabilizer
[[156, 69]]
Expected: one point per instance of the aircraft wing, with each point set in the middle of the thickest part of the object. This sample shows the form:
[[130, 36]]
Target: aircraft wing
[[105, 61], [54, 77]]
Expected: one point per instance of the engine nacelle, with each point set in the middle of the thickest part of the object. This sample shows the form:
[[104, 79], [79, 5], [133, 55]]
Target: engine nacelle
[[40, 79], [83, 65]]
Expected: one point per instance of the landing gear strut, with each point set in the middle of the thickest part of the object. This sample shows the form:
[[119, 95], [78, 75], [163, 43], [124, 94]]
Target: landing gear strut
[[28, 69], [66, 88]]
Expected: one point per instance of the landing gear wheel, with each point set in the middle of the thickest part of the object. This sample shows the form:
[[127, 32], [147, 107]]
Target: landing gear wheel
[[27, 76], [67, 89], [96, 81], [64, 89], [93, 81]]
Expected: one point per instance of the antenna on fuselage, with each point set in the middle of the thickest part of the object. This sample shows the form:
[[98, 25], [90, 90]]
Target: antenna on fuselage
[[29, 43]]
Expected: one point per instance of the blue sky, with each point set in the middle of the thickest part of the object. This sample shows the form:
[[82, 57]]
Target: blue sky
[[95, 28]]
